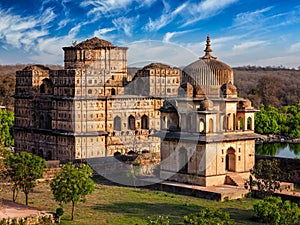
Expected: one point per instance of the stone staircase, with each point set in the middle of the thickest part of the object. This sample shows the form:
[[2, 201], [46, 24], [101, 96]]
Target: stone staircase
[[234, 179]]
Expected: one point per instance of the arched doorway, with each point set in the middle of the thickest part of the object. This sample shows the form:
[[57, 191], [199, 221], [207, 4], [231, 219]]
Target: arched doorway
[[230, 160]]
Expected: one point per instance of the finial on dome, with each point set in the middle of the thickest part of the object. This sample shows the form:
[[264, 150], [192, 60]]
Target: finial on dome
[[208, 50]]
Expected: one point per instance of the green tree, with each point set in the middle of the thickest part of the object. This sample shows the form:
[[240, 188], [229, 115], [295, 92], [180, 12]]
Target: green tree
[[72, 184], [209, 216], [267, 176], [272, 210], [23, 169], [6, 128]]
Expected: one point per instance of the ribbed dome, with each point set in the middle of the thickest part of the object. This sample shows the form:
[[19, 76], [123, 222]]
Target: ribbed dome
[[208, 70]]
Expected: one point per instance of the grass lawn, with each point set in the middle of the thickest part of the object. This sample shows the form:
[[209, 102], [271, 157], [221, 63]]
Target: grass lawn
[[125, 205]]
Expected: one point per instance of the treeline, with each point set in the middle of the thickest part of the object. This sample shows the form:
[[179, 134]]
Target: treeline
[[276, 86], [284, 121]]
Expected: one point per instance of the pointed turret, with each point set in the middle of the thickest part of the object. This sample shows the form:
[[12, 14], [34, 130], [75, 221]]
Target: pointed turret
[[208, 50]]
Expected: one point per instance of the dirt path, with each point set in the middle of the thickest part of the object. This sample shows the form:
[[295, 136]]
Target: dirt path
[[10, 209]]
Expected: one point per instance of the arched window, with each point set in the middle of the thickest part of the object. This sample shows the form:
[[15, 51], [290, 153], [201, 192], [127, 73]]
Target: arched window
[[201, 126], [41, 122], [183, 161], [49, 122], [211, 126], [41, 153], [131, 123], [241, 127], [228, 121], [42, 88], [117, 123], [49, 155], [113, 91], [145, 122], [233, 122], [249, 123]]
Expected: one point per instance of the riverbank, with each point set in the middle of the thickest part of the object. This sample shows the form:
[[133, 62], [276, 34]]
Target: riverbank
[[272, 138]]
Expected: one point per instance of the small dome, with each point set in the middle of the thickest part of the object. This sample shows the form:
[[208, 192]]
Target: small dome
[[228, 90], [245, 104], [206, 105]]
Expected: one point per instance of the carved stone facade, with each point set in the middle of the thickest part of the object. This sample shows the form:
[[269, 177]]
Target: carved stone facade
[[90, 108], [207, 131]]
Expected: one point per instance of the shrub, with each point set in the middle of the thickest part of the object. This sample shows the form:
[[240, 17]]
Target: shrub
[[273, 210], [160, 220], [209, 216]]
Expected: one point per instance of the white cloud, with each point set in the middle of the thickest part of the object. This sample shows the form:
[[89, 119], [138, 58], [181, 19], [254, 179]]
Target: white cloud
[[102, 32], [251, 18], [247, 45], [19, 31], [109, 7], [294, 48], [167, 17], [144, 52], [125, 24], [205, 9]]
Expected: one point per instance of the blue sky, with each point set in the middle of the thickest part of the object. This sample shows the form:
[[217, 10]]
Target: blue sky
[[243, 32]]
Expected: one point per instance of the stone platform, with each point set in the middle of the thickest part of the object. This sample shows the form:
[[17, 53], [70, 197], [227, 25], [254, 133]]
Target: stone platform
[[217, 193]]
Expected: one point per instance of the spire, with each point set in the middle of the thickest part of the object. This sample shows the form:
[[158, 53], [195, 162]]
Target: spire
[[208, 50]]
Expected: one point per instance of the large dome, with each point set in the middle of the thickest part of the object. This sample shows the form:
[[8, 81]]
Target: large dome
[[208, 70]]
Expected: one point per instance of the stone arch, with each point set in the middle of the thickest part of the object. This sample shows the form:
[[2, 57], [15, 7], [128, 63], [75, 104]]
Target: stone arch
[[131, 122], [211, 125], [240, 123], [49, 122], [183, 160], [145, 122], [42, 89], [201, 126], [41, 121], [41, 153], [117, 123], [49, 155], [230, 161], [249, 123], [233, 121]]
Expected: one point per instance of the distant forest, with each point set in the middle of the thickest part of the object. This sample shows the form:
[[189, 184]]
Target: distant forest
[[274, 86]]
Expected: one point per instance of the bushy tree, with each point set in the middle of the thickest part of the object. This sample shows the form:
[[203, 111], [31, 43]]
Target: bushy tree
[[6, 128], [23, 169], [72, 184], [284, 121], [272, 210], [209, 216], [267, 176]]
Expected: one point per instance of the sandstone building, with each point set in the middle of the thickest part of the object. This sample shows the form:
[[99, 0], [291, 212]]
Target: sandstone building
[[92, 108], [207, 131]]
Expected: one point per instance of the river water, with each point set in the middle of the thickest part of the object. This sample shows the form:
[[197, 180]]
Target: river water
[[284, 150]]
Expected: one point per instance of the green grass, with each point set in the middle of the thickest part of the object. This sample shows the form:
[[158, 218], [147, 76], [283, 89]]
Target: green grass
[[124, 205]]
